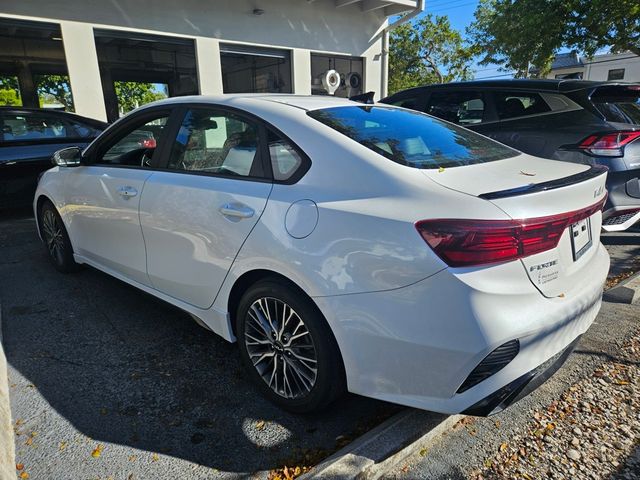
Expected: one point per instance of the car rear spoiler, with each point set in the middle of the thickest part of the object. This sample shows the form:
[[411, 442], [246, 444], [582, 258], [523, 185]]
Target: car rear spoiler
[[593, 172]]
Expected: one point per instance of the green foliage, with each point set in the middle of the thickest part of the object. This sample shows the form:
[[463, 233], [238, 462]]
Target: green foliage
[[131, 95], [521, 34], [54, 88], [9, 91], [426, 51], [9, 97]]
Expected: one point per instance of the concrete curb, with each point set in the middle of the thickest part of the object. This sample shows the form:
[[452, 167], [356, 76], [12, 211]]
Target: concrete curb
[[380, 450], [627, 291], [7, 446]]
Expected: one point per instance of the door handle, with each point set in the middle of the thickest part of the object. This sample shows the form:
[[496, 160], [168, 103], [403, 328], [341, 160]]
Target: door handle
[[237, 210], [127, 191]]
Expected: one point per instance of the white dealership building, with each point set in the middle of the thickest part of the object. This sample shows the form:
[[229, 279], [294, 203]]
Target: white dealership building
[[195, 47]]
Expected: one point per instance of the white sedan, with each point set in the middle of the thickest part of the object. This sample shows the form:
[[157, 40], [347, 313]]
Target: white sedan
[[344, 246]]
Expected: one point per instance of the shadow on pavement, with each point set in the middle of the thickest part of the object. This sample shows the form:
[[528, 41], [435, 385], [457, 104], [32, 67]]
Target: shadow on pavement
[[124, 367]]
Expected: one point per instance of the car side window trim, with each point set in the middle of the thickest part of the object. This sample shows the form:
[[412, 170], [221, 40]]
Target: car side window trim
[[115, 134], [263, 127]]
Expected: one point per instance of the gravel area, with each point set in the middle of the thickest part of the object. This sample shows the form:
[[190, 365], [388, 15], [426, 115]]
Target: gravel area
[[592, 431]]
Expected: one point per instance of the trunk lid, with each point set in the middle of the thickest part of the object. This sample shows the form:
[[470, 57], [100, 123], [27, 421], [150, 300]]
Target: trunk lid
[[526, 187]]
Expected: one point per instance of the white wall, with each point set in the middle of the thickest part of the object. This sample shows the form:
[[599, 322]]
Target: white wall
[[298, 25]]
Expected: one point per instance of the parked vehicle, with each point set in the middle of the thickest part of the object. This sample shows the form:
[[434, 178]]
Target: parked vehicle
[[28, 139], [368, 248], [593, 123]]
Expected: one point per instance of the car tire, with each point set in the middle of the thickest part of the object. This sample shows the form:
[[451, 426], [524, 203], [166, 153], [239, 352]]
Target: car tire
[[282, 336], [56, 239]]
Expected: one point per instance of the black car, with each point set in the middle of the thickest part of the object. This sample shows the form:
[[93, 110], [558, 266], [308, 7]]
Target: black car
[[571, 120], [28, 139]]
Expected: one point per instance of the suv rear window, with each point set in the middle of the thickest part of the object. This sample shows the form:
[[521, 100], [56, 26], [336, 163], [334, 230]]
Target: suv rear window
[[411, 138], [618, 103]]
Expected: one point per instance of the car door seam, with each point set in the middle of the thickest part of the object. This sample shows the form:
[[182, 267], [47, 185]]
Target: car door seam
[[226, 275]]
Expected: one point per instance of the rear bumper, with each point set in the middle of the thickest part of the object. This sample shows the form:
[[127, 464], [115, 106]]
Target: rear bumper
[[521, 387], [623, 206], [416, 345]]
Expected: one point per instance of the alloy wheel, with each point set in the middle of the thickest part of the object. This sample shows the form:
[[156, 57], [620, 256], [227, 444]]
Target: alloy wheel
[[281, 348], [53, 235]]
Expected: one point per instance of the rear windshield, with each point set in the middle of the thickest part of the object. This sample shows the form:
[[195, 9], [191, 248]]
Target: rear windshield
[[411, 138], [618, 104]]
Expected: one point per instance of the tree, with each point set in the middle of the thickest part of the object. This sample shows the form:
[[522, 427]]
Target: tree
[[9, 91], [427, 51], [525, 34], [133, 94], [56, 88]]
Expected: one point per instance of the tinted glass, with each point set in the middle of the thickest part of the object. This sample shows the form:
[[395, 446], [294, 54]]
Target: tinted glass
[[285, 160], [216, 142], [465, 108], [406, 102], [43, 126], [136, 147], [517, 104], [618, 104], [412, 138]]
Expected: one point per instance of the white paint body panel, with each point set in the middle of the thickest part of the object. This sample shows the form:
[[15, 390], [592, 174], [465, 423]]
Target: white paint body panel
[[190, 244], [409, 328], [103, 225]]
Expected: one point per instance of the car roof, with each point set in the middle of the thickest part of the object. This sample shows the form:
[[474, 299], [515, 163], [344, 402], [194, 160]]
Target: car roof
[[551, 85], [304, 102]]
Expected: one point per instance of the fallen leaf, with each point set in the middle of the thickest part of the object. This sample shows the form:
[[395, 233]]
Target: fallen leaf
[[19, 421], [19, 466], [155, 457], [29, 441], [550, 426], [132, 458], [24, 475], [497, 423], [260, 425], [97, 451], [441, 169], [62, 446], [503, 447], [622, 382], [423, 452]]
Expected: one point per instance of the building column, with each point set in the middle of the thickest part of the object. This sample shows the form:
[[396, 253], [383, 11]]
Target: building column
[[84, 72], [209, 66], [301, 70]]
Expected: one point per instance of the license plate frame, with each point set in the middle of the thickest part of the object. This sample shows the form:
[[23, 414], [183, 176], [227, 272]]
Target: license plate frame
[[581, 239]]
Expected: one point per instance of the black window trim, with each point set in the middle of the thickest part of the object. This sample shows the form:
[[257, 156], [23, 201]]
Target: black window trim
[[265, 156], [123, 125]]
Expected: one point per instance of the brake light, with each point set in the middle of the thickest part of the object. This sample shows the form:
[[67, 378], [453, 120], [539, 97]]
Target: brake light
[[463, 243], [608, 144], [147, 143]]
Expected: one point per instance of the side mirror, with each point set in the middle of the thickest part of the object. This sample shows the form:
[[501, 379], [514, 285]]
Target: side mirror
[[67, 157]]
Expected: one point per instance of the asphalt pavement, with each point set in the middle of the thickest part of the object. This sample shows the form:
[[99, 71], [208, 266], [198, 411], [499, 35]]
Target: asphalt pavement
[[109, 382]]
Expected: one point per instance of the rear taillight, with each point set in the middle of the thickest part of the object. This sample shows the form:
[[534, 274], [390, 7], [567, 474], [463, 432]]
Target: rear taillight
[[463, 243], [147, 143], [608, 144]]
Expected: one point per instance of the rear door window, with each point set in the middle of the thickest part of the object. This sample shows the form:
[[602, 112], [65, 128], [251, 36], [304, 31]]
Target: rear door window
[[619, 104], [461, 107], [412, 138], [518, 104], [33, 127]]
